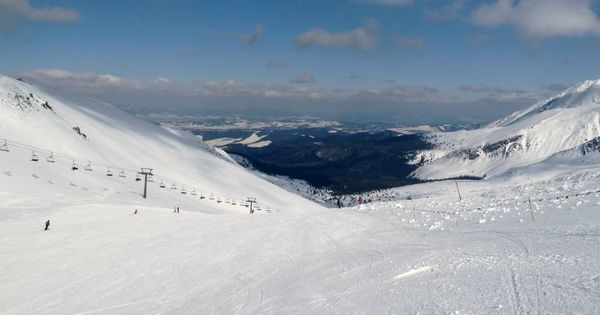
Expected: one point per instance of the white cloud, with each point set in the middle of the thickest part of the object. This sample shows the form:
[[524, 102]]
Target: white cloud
[[540, 19], [89, 81], [410, 43], [304, 79], [13, 10], [448, 12], [395, 102], [255, 36], [362, 38]]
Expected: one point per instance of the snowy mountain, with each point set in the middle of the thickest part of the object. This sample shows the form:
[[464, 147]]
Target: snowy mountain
[[519, 244], [561, 123], [91, 134]]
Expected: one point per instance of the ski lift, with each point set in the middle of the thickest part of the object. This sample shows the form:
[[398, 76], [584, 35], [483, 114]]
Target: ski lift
[[50, 158], [34, 157], [74, 167], [219, 200], [88, 167], [162, 184], [211, 197], [138, 178], [4, 146], [194, 193], [183, 192], [109, 172], [233, 202], [122, 173], [227, 200], [202, 196], [174, 187]]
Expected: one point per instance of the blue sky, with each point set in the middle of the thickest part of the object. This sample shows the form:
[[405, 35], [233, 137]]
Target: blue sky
[[410, 61]]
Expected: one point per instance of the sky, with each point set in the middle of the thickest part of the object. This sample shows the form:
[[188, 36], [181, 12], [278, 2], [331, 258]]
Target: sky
[[404, 61]]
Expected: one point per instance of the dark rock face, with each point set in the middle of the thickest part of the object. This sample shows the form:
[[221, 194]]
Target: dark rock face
[[591, 146], [504, 148]]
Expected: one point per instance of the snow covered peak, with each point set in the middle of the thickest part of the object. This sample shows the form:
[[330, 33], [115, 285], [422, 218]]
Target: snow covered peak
[[523, 138], [584, 94]]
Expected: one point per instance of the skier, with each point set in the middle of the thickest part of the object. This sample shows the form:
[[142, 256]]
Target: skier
[[177, 209], [360, 200], [47, 225], [339, 202]]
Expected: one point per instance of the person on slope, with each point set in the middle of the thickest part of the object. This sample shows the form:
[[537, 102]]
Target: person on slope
[[339, 202], [360, 200], [47, 225]]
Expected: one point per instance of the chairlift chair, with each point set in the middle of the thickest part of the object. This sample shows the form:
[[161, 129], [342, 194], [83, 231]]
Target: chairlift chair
[[162, 184], [227, 200], [233, 202], [50, 158], [34, 157], [211, 197], [109, 172], [219, 200], [202, 196], [74, 167], [4, 147], [150, 179], [174, 187], [194, 193], [122, 173], [88, 167], [138, 178]]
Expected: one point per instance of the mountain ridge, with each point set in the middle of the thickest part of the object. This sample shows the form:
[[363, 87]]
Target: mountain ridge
[[523, 138]]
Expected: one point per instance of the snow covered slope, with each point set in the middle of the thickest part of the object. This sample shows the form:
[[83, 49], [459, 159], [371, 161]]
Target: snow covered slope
[[89, 132], [493, 252], [560, 123]]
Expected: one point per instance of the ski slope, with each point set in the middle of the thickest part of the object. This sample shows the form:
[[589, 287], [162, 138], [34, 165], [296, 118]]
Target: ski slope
[[423, 252], [482, 255], [116, 141]]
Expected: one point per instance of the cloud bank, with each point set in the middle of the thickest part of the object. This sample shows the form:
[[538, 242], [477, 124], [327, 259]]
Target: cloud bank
[[11, 11], [362, 38], [402, 104], [540, 19]]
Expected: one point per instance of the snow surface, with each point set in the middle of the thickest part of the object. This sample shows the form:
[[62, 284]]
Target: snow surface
[[117, 141], [524, 138], [490, 253]]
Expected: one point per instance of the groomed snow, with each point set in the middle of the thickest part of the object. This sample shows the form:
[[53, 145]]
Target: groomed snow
[[482, 255]]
